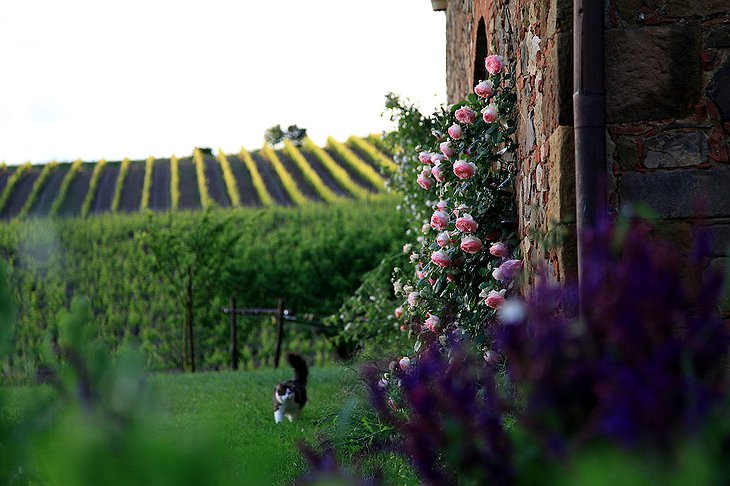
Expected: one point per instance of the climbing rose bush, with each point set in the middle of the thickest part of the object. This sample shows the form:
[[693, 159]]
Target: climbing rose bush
[[464, 260]]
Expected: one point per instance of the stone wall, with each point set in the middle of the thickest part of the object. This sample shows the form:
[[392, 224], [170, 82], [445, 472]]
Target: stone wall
[[536, 38], [668, 110]]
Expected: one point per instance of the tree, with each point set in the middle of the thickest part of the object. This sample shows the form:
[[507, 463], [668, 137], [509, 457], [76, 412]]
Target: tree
[[275, 135], [192, 257]]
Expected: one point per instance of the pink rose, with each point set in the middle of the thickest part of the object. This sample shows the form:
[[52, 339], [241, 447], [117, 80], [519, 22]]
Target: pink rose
[[489, 114], [484, 89], [494, 64], [443, 239], [499, 249], [425, 181], [465, 115], [441, 258], [497, 275], [413, 299], [495, 299], [404, 363], [456, 132], [425, 157], [437, 158], [439, 220], [438, 173], [442, 205], [466, 224], [471, 244], [464, 169], [446, 149], [398, 312], [433, 324], [510, 269]]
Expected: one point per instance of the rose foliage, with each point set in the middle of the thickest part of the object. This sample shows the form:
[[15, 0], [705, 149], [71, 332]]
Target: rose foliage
[[464, 197]]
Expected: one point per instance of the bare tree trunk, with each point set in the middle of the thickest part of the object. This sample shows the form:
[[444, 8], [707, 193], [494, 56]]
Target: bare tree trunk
[[189, 320]]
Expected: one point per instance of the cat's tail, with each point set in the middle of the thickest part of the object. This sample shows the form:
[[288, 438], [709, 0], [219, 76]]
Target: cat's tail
[[300, 368]]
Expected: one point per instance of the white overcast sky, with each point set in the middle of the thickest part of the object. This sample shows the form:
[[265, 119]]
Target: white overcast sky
[[107, 79]]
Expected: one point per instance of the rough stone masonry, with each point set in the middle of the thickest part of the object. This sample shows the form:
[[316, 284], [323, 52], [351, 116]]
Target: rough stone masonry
[[668, 111]]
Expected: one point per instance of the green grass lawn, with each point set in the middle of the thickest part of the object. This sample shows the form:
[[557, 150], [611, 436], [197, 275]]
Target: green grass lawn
[[237, 408], [224, 416]]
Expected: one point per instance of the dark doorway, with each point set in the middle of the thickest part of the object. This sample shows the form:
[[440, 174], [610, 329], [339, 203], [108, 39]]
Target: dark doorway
[[480, 52]]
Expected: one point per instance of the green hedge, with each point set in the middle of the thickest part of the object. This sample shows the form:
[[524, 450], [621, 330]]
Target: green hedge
[[313, 257]]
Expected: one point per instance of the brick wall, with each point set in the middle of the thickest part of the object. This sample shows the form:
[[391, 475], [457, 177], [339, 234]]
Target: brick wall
[[668, 109]]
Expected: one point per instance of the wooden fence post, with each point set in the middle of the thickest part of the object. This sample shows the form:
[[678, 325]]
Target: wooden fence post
[[279, 332], [234, 336]]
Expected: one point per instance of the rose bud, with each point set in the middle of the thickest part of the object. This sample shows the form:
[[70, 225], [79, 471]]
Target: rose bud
[[489, 114], [404, 363], [443, 239], [438, 173], [466, 224], [471, 244], [465, 115], [437, 158], [456, 132], [484, 89], [413, 299], [491, 357], [499, 249], [497, 275], [446, 149], [495, 299], [425, 228], [398, 312], [425, 157], [425, 181], [433, 324], [441, 258], [464, 169], [494, 64]]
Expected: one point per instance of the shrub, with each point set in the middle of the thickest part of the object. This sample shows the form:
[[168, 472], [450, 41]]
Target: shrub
[[147, 184], [256, 179], [119, 187], [11, 183], [287, 180], [93, 183], [309, 173], [205, 200], [375, 156], [174, 183], [231, 185], [338, 173], [358, 166], [48, 169], [313, 257], [65, 184]]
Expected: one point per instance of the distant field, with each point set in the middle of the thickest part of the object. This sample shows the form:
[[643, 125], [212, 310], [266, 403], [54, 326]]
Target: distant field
[[226, 179]]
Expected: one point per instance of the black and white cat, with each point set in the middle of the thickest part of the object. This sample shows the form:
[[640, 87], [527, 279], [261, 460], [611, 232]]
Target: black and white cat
[[290, 396]]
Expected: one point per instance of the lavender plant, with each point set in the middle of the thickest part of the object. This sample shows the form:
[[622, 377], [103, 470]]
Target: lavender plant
[[643, 371]]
